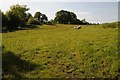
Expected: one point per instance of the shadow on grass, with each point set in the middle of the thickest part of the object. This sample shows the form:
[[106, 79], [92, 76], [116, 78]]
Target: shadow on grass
[[28, 27], [25, 27], [15, 67]]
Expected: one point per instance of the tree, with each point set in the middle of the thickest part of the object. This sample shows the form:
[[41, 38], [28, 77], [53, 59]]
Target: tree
[[4, 21], [44, 18], [38, 16], [84, 21], [78, 21], [17, 15], [14, 21], [28, 15], [41, 17], [65, 17]]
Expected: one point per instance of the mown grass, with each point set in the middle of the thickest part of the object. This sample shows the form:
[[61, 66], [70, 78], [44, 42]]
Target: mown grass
[[60, 51]]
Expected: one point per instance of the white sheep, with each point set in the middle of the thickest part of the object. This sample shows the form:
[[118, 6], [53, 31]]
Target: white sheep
[[78, 27], [75, 27]]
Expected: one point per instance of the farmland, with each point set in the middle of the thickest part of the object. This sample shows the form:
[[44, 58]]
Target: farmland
[[61, 51]]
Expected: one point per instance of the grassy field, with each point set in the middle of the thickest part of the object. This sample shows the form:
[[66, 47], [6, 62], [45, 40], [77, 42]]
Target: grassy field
[[61, 52]]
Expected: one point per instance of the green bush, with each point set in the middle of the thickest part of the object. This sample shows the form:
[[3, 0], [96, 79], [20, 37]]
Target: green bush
[[33, 21], [51, 22]]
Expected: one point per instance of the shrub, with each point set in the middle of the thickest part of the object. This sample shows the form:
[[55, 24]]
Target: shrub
[[51, 22], [33, 21]]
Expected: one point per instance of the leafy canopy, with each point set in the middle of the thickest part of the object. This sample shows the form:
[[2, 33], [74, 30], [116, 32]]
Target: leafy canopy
[[17, 15]]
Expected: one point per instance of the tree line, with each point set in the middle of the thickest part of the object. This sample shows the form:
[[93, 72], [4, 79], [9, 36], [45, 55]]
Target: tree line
[[17, 16]]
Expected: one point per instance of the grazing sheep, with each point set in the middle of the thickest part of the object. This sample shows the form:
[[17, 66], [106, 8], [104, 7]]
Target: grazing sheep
[[78, 27], [75, 27]]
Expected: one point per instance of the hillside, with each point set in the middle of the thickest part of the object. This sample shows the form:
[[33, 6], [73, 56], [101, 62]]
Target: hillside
[[61, 51]]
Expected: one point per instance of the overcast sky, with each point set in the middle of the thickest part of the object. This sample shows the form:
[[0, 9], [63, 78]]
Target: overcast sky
[[94, 12]]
